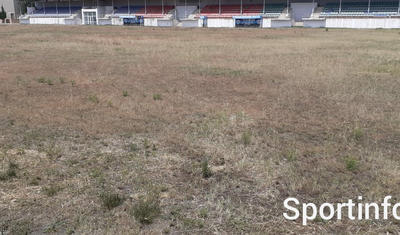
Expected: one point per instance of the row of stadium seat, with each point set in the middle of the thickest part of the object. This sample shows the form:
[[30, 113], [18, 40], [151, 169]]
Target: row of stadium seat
[[271, 10], [152, 10], [56, 10], [361, 9], [141, 10]]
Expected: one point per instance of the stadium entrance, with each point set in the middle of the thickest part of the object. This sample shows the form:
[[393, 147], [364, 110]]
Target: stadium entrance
[[89, 16]]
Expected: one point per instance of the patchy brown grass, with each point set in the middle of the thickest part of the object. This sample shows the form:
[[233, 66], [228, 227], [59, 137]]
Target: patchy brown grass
[[276, 113]]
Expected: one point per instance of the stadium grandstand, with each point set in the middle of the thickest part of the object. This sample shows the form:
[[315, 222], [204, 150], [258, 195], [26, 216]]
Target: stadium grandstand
[[218, 13]]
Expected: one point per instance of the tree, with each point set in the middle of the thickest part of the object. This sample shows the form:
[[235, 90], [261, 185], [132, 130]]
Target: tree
[[25, 4], [3, 14]]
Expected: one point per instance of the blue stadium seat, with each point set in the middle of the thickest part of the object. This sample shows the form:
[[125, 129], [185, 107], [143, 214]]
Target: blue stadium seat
[[56, 10], [126, 9]]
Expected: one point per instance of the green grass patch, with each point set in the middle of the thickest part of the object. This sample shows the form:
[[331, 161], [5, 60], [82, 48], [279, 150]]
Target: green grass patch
[[351, 163]]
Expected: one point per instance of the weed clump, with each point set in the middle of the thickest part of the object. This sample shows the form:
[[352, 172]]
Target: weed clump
[[41, 80], [357, 134], [51, 190], [133, 147], [147, 208], [94, 99], [246, 138], [290, 155], [111, 200], [157, 97], [205, 169], [351, 163], [45, 81], [125, 94], [11, 172], [35, 181]]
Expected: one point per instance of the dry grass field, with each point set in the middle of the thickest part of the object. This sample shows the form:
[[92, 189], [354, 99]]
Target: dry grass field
[[107, 130]]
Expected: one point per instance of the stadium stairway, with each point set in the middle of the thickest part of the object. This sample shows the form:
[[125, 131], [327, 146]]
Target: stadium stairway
[[317, 12], [183, 12], [284, 14]]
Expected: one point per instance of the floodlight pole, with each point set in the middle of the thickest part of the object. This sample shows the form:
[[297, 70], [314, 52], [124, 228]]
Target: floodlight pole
[[219, 7], [340, 6], [185, 9], [57, 7], [175, 10], [199, 7], [162, 7], [44, 7], [241, 7], [145, 7], [129, 7], [69, 6], [263, 6]]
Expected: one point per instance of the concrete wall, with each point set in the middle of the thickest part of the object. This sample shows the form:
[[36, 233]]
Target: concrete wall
[[104, 21], [266, 23], [275, 23], [117, 21], [150, 22], [165, 23], [49, 20], [314, 23], [24, 21], [220, 23], [191, 23], [74, 21], [366, 23]]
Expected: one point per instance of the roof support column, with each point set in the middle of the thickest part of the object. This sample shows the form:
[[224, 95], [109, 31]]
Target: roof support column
[[312, 12], [398, 11], [287, 8], [369, 6], [263, 6]]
